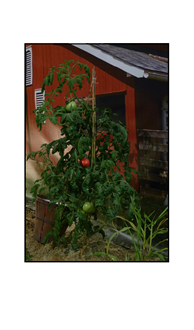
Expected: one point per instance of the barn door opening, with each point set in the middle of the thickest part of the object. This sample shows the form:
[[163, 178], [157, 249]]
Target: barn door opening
[[114, 101]]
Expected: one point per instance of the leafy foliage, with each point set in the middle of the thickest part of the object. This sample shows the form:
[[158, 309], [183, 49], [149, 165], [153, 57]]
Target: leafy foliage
[[71, 185]]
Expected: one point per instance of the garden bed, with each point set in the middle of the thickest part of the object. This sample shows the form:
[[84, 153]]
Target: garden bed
[[36, 251]]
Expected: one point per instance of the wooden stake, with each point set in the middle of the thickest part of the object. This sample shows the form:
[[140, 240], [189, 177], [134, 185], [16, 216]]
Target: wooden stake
[[93, 118]]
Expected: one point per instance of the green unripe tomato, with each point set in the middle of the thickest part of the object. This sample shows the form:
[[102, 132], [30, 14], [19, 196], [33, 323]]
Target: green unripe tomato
[[71, 106], [88, 207]]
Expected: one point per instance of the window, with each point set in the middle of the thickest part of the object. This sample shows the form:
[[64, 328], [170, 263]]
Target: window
[[28, 65], [39, 98]]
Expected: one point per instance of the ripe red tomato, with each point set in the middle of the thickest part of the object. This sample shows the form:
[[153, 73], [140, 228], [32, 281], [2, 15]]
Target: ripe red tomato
[[85, 162]]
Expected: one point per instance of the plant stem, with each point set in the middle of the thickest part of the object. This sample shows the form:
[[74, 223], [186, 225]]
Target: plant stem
[[83, 245], [151, 231], [144, 237]]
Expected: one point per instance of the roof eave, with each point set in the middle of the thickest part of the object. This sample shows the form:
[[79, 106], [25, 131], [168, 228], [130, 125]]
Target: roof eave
[[129, 69]]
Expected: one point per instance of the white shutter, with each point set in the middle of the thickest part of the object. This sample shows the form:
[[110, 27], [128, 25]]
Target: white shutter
[[28, 65], [39, 98]]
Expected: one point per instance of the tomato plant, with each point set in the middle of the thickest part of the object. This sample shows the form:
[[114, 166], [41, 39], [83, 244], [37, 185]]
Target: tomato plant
[[97, 186]]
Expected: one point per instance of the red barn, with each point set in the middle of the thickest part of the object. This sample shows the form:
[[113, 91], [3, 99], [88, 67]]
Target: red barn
[[132, 79]]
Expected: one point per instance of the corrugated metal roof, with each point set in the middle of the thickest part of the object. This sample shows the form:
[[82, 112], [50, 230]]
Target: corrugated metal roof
[[136, 58]]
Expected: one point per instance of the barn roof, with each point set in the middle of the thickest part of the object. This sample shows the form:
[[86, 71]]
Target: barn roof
[[136, 58], [135, 63]]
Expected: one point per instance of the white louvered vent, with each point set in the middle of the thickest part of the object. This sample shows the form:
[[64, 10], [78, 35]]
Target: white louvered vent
[[39, 98], [28, 66]]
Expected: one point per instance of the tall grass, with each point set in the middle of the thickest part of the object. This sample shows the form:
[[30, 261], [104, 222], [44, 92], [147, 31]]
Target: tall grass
[[142, 234]]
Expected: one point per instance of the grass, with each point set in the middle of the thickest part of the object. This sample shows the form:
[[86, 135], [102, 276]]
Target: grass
[[143, 233], [150, 228]]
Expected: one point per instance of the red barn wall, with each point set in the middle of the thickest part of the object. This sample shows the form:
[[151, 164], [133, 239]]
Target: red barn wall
[[109, 80]]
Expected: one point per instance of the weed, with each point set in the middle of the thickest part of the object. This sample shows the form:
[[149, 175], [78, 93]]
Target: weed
[[143, 234]]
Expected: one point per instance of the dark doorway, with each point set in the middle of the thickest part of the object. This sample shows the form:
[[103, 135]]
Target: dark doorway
[[114, 101]]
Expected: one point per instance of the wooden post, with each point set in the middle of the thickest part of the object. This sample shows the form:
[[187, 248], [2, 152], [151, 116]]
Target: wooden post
[[93, 118], [132, 137]]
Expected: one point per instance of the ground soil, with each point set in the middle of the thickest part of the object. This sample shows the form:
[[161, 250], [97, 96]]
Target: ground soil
[[39, 252], [36, 251]]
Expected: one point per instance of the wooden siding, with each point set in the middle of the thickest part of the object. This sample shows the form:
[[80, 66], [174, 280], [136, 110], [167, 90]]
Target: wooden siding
[[153, 160]]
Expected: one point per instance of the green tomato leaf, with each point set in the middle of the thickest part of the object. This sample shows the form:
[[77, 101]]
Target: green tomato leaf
[[79, 82], [83, 145], [47, 80], [53, 120], [51, 78], [70, 219], [114, 154]]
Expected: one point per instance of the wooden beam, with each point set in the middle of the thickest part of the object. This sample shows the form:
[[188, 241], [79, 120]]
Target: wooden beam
[[131, 128], [154, 177], [152, 147], [155, 193], [153, 133], [153, 163]]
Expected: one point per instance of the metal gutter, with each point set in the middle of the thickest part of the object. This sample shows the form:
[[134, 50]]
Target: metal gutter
[[129, 69], [156, 76]]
